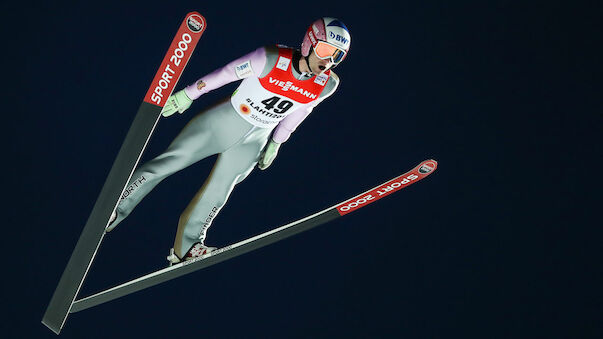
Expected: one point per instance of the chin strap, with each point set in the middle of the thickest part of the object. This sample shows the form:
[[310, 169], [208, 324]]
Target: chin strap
[[308, 63], [296, 61], [310, 73], [305, 74]]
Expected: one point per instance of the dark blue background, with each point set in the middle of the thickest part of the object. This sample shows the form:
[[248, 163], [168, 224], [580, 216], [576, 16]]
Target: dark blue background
[[501, 242]]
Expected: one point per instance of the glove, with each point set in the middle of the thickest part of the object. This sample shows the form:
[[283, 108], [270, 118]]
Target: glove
[[268, 154], [177, 102]]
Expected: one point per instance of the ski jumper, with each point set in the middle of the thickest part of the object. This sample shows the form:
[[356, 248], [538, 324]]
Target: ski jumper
[[273, 99]]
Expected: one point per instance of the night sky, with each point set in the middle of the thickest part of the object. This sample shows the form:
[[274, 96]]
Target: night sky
[[502, 241]]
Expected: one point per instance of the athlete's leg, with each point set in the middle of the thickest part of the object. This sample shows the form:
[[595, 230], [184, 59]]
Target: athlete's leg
[[232, 167], [199, 139]]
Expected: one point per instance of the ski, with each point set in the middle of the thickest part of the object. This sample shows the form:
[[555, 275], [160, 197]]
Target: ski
[[145, 121], [421, 171]]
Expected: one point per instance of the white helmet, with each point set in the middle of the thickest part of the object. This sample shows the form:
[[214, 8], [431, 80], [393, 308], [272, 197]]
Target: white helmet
[[329, 38]]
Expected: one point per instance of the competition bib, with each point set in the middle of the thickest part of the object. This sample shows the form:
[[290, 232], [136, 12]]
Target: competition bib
[[264, 102]]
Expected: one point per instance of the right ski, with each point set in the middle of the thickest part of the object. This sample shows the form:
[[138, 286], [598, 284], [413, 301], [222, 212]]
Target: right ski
[[421, 171], [174, 62]]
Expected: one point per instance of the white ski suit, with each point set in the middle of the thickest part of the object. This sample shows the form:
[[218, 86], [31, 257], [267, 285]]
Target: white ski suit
[[273, 97]]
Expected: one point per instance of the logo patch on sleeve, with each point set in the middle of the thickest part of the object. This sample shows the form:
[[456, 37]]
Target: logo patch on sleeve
[[200, 84], [244, 70]]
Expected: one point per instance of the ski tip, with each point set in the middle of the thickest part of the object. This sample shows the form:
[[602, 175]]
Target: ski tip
[[421, 171], [196, 22], [427, 166]]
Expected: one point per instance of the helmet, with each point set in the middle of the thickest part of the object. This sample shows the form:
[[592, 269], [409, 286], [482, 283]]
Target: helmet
[[329, 38]]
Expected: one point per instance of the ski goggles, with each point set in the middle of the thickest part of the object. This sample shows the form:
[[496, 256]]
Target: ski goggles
[[325, 50]]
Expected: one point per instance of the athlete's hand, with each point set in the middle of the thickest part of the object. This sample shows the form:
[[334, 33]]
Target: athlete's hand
[[177, 102], [268, 154]]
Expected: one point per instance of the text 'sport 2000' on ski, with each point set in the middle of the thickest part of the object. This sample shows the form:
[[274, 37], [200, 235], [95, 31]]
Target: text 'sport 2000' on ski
[[176, 59], [392, 186]]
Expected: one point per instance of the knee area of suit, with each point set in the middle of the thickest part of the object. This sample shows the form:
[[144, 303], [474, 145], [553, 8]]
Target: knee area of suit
[[175, 154]]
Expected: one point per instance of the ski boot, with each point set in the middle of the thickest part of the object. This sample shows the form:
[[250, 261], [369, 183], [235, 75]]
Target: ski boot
[[197, 250]]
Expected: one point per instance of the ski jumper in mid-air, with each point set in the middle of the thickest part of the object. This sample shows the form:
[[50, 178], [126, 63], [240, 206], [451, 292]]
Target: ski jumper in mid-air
[[280, 88]]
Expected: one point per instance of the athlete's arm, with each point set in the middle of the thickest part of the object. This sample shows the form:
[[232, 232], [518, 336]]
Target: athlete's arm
[[243, 67], [283, 130]]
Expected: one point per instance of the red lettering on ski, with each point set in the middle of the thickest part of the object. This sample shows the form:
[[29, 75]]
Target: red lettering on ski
[[421, 171], [176, 59]]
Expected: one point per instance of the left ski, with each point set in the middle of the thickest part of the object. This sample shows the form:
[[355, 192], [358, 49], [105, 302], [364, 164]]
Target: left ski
[[139, 134], [421, 171]]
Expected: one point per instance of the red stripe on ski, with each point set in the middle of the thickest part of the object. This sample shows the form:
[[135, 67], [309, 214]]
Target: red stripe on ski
[[175, 59], [421, 171]]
